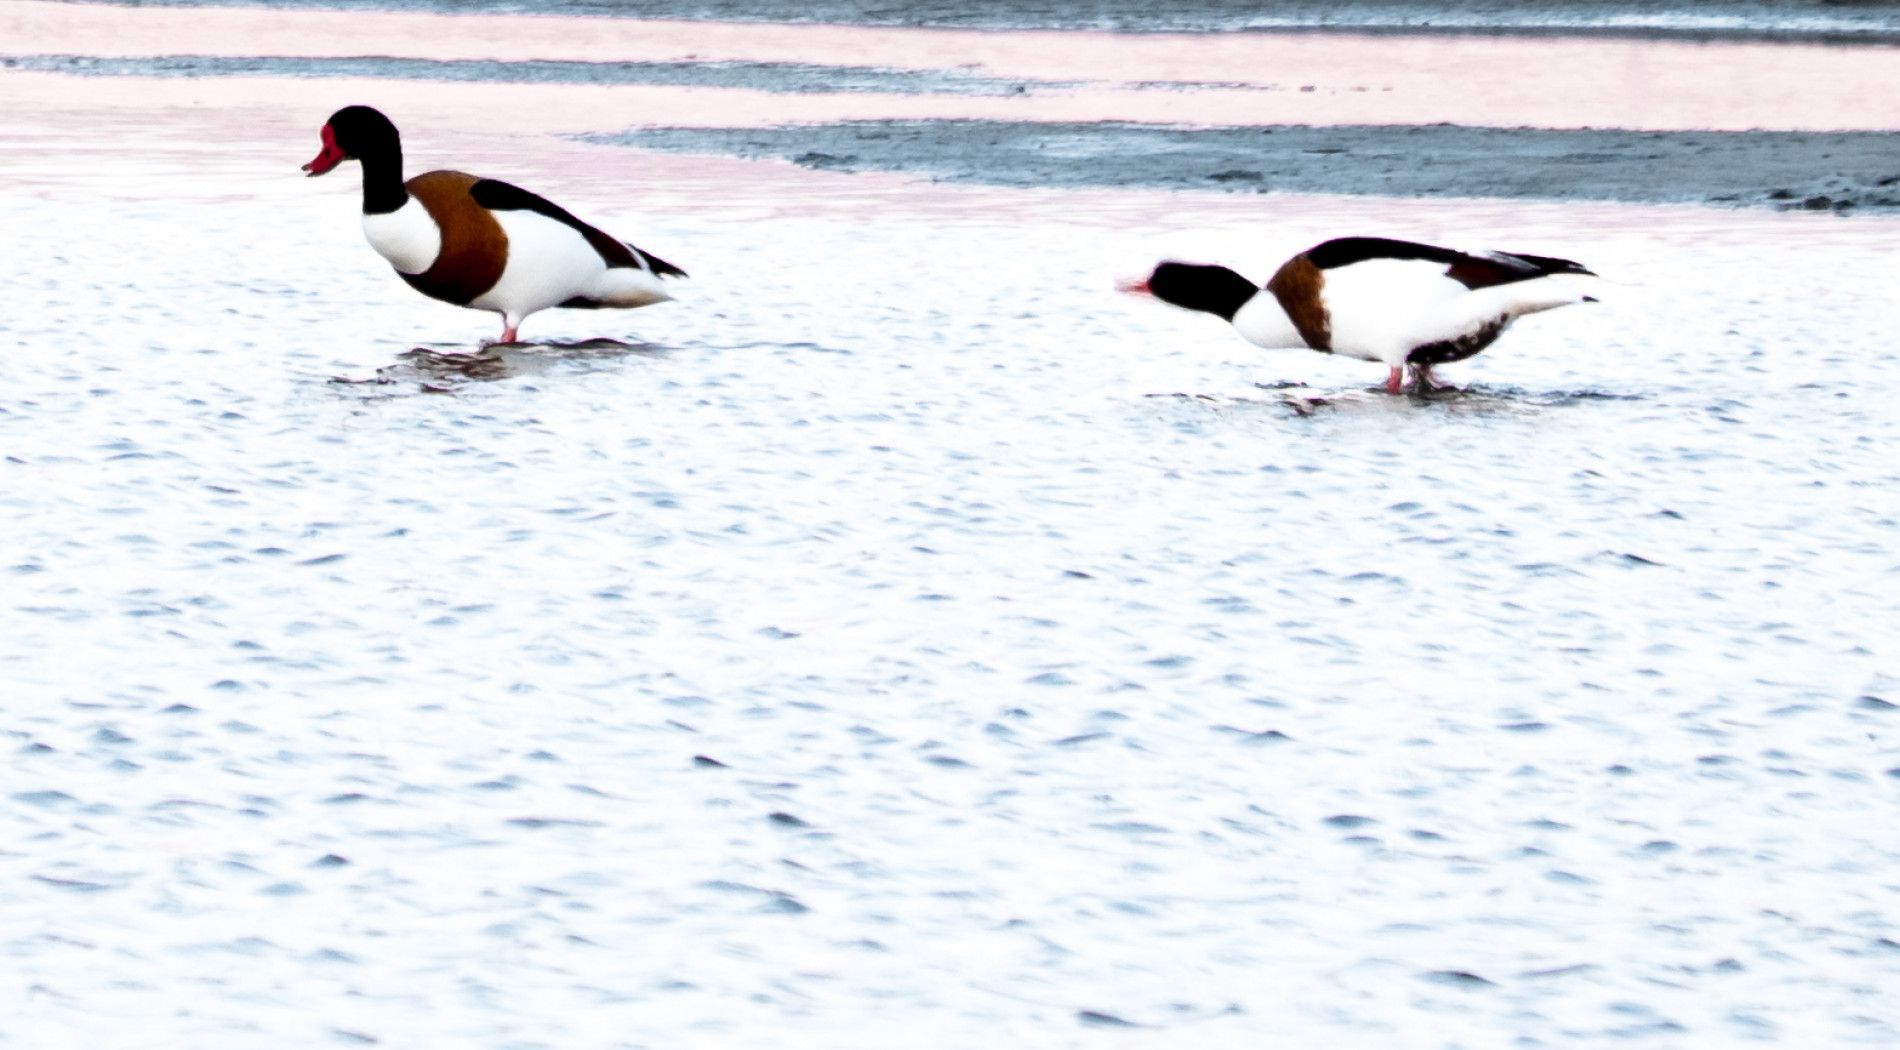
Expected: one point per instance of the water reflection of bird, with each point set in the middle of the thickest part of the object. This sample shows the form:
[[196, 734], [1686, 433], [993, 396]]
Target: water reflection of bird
[[1375, 299], [482, 243]]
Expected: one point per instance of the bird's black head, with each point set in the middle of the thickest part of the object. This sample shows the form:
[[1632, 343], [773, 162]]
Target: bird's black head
[[1210, 289], [356, 133]]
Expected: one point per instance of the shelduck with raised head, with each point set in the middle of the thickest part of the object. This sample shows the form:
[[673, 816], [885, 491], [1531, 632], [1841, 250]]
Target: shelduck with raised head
[[483, 243]]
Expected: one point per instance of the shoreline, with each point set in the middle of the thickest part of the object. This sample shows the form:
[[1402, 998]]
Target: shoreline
[[1400, 115]]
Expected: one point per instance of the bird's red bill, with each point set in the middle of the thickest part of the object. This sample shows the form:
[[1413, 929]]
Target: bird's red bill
[[1134, 287], [329, 157]]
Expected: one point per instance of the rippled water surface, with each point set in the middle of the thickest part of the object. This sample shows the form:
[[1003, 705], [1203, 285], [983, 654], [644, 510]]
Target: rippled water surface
[[904, 639]]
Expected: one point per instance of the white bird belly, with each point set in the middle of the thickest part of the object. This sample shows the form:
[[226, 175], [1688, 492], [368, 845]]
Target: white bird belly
[[1381, 308], [549, 262]]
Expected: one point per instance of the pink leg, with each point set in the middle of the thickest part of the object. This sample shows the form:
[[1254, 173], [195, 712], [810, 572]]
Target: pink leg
[[1395, 379], [507, 333]]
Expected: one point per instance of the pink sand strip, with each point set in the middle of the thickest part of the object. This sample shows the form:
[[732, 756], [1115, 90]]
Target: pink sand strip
[[1483, 81]]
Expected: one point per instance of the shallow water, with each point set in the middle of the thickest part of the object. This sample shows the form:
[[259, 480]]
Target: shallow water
[[1837, 19], [906, 634]]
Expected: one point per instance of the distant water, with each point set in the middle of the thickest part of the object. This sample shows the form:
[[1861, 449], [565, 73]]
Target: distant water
[[904, 633], [794, 77], [1844, 19]]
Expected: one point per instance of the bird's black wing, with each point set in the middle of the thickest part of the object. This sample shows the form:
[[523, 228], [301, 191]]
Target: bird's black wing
[[496, 195], [1473, 271]]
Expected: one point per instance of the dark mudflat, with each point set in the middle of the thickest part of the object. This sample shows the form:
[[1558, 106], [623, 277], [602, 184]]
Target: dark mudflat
[[1823, 171]]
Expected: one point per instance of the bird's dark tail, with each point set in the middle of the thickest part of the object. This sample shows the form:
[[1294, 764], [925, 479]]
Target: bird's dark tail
[[1548, 265], [659, 266]]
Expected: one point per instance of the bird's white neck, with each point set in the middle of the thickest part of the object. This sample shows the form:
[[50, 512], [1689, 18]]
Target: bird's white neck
[[1263, 323], [407, 237]]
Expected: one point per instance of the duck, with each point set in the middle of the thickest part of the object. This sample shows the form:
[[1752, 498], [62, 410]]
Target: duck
[[1404, 304], [483, 243]]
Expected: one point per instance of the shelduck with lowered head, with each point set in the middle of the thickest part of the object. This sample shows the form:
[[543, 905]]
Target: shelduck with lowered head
[[483, 243], [1375, 299]]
